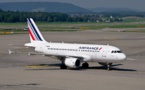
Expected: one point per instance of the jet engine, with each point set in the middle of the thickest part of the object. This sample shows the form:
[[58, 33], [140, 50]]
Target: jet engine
[[72, 62]]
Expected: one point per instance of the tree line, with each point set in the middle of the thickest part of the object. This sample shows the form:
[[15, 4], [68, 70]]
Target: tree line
[[17, 16], [11, 16]]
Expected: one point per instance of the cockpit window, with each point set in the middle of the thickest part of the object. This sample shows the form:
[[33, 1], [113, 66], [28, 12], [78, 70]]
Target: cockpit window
[[116, 52]]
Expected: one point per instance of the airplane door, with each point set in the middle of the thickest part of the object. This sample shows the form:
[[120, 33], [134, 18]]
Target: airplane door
[[104, 53]]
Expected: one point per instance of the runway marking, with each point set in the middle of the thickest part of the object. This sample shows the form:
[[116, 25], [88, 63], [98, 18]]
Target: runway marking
[[131, 59], [37, 66]]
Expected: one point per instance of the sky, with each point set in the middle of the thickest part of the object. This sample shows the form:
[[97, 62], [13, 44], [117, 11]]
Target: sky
[[133, 4]]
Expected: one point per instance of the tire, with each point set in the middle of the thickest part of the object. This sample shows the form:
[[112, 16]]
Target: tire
[[85, 65], [63, 66]]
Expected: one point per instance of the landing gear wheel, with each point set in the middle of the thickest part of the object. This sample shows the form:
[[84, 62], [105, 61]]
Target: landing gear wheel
[[109, 66], [63, 66], [85, 65]]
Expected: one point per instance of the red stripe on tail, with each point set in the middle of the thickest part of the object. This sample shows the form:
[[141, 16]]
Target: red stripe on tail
[[31, 34]]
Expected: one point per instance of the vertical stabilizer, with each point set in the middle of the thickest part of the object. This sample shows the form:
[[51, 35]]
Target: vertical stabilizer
[[34, 32]]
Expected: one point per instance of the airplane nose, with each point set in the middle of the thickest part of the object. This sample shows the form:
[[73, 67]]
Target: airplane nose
[[123, 57]]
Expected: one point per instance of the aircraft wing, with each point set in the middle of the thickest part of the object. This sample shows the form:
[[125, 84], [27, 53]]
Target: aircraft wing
[[60, 57], [36, 53]]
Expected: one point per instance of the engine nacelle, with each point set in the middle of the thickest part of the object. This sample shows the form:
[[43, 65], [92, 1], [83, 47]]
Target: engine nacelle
[[72, 62]]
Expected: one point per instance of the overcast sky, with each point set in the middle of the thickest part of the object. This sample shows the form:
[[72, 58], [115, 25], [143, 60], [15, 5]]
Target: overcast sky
[[134, 4]]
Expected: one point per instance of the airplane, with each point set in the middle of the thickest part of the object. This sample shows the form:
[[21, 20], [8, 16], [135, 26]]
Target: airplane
[[72, 55]]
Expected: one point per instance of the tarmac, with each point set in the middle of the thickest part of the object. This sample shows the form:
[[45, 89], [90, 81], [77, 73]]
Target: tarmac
[[20, 71]]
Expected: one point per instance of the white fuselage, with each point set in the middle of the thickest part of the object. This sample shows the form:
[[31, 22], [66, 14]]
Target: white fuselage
[[95, 53]]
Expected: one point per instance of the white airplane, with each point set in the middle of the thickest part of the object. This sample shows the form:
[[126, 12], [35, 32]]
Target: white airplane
[[72, 55]]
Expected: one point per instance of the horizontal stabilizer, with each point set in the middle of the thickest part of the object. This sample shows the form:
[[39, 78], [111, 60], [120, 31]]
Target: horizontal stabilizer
[[29, 45]]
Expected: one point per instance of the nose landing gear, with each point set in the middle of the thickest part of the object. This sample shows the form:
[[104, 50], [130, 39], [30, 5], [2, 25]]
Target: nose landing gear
[[109, 66]]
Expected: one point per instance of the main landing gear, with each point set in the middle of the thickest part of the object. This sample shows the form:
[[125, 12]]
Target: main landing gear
[[63, 66], [85, 65]]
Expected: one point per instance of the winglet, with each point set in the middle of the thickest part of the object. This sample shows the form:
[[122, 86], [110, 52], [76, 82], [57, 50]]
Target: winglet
[[11, 52]]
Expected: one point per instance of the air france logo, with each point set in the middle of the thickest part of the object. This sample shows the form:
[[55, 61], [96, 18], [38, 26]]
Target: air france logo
[[91, 48], [100, 48]]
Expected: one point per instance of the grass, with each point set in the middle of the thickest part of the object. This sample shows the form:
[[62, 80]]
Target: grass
[[134, 19], [74, 26]]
